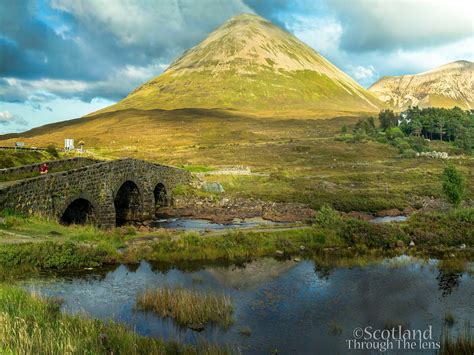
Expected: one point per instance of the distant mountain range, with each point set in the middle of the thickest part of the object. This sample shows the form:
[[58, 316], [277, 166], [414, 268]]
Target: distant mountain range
[[446, 86], [250, 69], [250, 64]]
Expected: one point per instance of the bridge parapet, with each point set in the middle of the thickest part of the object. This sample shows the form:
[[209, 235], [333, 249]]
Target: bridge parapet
[[20, 172], [106, 192]]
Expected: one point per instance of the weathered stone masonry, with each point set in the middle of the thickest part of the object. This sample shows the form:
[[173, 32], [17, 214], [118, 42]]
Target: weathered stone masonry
[[101, 185], [63, 164]]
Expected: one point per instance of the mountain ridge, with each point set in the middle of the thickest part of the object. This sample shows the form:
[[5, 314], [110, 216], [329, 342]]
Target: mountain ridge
[[448, 85]]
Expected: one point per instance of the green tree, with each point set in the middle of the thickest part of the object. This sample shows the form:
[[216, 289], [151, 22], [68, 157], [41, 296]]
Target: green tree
[[394, 133], [465, 139], [387, 119], [453, 185], [417, 127], [441, 123]]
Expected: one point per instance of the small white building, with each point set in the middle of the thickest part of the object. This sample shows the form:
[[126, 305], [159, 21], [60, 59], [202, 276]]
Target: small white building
[[68, 144]]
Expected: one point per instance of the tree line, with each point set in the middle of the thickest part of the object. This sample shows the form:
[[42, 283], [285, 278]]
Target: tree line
[[437, 123], [451, 125]]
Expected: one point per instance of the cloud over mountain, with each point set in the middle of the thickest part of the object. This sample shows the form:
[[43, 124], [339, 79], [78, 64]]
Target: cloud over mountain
[[381, 25], [96, 49]]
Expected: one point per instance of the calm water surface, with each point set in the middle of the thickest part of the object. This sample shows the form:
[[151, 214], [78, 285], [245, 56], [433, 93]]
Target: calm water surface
[[388, 219], [289, 306], [204, 224]]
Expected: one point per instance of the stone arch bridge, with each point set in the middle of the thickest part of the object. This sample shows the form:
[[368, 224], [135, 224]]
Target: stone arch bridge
[[80, 190]]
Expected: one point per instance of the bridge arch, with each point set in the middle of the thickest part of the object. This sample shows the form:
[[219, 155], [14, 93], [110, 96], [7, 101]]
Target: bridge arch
[[95, 185], [160, 194], [128, 202], [79, 210]]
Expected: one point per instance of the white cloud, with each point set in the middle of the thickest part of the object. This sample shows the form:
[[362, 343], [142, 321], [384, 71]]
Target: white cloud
[[398, 55], [418, 60], [56, 110], [118, 84], [322, 34], [379, 24], [7, 118], [413, 61], [362, 74], [152, 23]]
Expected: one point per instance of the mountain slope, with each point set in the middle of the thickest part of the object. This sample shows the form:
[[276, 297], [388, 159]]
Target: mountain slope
[[250, 64], [446, 86]]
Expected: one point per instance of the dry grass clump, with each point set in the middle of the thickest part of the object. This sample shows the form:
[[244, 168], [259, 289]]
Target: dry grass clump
[[187, 307], [463, 343]]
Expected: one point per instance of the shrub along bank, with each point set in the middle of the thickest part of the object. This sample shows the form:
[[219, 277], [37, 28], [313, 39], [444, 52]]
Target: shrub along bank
[[435, 230]]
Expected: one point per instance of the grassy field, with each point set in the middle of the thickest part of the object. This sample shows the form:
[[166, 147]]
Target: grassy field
[[31, 324], [42, 244], [12, 158], [297, 160]]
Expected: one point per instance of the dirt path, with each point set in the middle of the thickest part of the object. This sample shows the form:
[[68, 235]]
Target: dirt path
[[7, 237], [254, 230]]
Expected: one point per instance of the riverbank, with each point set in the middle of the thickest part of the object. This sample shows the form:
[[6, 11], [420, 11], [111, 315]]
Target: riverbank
[[31, 324], [46, 244], [224, 209]]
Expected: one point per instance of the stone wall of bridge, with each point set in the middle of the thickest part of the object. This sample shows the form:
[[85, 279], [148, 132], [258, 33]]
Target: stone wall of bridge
[[104, 192], [54, 165]]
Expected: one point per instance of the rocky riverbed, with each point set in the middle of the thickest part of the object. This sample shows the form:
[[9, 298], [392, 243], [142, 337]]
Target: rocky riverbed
[[227, 209]]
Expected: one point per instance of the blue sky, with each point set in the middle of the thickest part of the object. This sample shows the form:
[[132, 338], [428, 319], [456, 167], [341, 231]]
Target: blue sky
[[61, 59]]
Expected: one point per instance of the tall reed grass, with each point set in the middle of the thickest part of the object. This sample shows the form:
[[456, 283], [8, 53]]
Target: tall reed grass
[[187, 307], [30, 324], [463, 343]]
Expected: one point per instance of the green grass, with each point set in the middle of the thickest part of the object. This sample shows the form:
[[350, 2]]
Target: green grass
[[41, 228], [13, 158], [31, 324], [188, 307], [75, 247], [263, 90], [233, 245], [299, 159], [54, 255], [198, 168]]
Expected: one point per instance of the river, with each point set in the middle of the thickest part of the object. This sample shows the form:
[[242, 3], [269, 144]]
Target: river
[[306, 307]]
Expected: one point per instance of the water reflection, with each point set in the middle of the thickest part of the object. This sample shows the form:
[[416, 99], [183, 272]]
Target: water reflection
[[203, 224], [289, 306], [448, 281]]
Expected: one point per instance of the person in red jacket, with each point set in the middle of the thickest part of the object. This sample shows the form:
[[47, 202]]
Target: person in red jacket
[[44, 168]]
